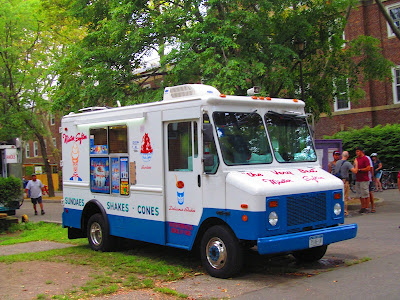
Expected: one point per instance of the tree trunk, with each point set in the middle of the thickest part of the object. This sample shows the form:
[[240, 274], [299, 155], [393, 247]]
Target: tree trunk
[[388, 18], [47, 167]]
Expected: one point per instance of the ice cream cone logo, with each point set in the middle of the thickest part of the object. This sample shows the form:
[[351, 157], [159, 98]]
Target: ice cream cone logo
[[180, 191], [75, 160], [146, 150]]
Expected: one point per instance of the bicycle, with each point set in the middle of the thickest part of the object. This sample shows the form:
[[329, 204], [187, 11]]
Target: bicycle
[[388, 179]]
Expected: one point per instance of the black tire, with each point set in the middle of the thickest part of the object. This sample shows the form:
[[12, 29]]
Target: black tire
[[98, 234], [310, 255], [220, 251]]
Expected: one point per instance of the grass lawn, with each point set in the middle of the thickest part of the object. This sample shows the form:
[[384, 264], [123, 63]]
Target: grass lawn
[[137, 265]]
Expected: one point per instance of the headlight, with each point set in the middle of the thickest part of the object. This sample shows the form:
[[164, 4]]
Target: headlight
[[337, 209], [273, 218]]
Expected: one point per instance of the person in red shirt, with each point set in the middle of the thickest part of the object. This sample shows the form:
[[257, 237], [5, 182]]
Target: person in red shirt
[[398, 180], [362, 164]]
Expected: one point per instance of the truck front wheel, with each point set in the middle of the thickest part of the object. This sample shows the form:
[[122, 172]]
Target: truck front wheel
[[221, 253], [310, 255], [98, 234]]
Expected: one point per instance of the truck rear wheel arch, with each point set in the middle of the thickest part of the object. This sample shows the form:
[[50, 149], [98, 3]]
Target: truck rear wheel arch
[[91, 208]]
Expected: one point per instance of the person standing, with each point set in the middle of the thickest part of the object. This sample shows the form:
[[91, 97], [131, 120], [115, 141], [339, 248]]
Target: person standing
[[371, 185], [343, 167], [34, 190], [398, 181], [377, 172], [336, 157], [363, 167]]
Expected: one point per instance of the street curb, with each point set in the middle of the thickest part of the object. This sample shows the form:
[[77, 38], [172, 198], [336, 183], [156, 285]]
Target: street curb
[[51, 201], [377, 201], [56, 200]]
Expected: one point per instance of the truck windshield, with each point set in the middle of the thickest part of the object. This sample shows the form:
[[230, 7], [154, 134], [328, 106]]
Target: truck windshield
[[290, 138], [242, 138]]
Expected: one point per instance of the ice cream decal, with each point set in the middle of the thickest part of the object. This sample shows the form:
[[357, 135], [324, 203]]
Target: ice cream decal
[[78, 138], [146, 150], [75, 160], [180, 191]]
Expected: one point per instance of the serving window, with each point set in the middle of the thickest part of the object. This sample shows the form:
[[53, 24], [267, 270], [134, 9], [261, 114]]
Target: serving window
[[99, 141], [109, 163], [118, 139]]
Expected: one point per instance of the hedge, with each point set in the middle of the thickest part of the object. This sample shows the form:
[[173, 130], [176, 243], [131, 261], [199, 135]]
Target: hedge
[[10, 190], [384, 140]]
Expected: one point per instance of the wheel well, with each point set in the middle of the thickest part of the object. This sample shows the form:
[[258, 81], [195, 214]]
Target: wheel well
[[210, 222], [91, 208]]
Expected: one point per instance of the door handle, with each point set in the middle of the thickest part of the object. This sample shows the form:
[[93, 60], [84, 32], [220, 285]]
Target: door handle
[[199, 180]]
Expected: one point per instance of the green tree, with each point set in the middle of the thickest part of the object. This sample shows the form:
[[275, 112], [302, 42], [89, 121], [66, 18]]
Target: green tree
[[232, 45], [30, 43], [237, 44], [103, 67], [384, 140]]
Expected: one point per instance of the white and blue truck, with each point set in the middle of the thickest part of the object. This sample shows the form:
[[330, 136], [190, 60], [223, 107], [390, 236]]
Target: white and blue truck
[[201, 169]]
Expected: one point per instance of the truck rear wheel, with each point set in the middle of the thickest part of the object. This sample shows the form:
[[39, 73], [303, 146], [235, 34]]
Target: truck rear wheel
[[310, 255], [221, 253], [98, 234]]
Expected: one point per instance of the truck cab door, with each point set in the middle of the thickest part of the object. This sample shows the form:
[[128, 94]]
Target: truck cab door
[[183, 181]]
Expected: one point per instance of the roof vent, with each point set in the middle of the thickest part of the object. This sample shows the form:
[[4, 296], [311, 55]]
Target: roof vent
[[189, 91], [93, 108]]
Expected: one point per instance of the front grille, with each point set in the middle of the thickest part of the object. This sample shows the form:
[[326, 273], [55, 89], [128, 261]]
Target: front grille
[[306, 208]]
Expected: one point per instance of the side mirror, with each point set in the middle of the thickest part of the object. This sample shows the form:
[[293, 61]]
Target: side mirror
[[208, 133]]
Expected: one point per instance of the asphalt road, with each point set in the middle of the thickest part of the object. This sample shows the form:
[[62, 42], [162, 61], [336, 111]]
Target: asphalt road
[[53, 211], [378, 238]]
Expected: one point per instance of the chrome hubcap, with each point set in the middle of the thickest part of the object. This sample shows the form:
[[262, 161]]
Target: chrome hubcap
[[216, 253], [96, 234]]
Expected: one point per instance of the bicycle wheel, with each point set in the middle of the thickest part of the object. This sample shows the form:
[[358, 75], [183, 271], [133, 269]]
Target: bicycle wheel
[[384, 185]]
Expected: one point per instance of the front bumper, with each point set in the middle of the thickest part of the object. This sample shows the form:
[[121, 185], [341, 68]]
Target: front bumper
[[303, 240]]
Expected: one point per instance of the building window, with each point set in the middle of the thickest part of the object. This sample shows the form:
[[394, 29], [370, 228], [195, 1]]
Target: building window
[[342, 101], [27, 151], [55, 142], [52, 119], [35, 149], [396, 84], [394, 12]]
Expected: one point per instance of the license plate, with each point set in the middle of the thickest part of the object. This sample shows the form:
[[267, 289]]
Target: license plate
[[316, 240]]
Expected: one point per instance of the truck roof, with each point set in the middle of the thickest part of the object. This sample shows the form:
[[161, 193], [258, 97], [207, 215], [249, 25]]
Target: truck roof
[[205, 94]]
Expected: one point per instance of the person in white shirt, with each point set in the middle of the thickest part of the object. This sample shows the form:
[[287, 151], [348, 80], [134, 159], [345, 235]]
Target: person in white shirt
[[35, 187]]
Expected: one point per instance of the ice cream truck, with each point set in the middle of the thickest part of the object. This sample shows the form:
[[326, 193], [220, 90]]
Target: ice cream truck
[[201, 170]]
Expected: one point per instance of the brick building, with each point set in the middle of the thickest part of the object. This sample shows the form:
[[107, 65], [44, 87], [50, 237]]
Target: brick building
[[382, 100], [32, 159]]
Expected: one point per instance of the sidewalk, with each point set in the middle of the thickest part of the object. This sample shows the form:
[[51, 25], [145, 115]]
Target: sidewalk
[[354, 204]]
